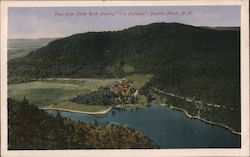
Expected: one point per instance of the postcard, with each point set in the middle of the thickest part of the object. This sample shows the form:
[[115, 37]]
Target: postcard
[[110, 78]]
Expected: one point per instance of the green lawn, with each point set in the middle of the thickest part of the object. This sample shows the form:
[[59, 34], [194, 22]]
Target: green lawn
[[45, 93], [139, 80], [58, 92]]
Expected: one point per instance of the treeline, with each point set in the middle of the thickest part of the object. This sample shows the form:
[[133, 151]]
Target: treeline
[[186, 60], [225, 114], [156, 48], [31, 128], [220, 115], [195, 62], [103, 96]]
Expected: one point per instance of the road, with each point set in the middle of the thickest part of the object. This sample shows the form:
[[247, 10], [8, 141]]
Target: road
[[186, 98]]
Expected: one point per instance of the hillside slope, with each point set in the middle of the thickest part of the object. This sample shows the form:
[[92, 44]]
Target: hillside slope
[[31, 128], [196, 62], [146, 48]]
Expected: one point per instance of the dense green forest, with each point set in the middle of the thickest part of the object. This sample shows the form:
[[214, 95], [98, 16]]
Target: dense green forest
[[195, 62], [31, 128]]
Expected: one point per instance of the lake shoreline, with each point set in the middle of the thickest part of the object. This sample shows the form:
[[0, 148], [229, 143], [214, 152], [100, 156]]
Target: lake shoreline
[[76, 111], [159, 123], [202, 119], [171, 107], [130, 106], [121, 106]]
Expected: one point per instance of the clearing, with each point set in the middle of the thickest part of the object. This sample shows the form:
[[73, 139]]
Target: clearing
[[52, 92], [56, 92], [139, 80]]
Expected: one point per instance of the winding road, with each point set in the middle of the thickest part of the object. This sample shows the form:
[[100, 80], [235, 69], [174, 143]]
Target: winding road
[[186, 99]]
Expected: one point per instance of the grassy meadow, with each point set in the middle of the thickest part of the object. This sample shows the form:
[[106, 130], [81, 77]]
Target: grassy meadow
[[54, 92], [139, 80], [58, 92]]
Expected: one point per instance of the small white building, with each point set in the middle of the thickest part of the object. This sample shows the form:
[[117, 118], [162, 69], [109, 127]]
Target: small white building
[[136, 93]]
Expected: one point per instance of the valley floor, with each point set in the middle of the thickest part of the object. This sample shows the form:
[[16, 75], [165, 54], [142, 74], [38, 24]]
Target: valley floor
[[55, 94]]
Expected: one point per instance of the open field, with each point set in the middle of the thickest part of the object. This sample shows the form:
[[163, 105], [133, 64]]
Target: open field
[[139, 80], [56, 92], [51, 92]]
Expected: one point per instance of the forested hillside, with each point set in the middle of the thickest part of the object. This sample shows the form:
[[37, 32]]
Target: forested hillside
[[31, 128], [195, 62]]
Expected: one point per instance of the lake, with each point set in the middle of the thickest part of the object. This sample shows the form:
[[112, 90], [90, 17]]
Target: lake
[[166, 127]]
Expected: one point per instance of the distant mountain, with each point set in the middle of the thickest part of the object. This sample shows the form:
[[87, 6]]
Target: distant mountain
[[142, 48], [223, 28], [28, 43], [190, 61], [21, 47]]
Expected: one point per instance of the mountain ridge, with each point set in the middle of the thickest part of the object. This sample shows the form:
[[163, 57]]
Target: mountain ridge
[[199, 63]]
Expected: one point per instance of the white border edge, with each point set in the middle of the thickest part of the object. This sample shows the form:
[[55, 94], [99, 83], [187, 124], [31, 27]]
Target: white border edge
[[244, 151]]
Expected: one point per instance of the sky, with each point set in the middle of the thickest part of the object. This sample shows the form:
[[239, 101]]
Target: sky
[[54, 22]]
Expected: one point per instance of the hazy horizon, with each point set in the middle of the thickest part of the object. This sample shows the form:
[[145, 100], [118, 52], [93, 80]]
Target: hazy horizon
[[45, 22], [106, 31]]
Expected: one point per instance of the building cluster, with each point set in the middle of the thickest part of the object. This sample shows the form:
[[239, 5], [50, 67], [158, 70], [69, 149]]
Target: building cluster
[[125, 89]]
